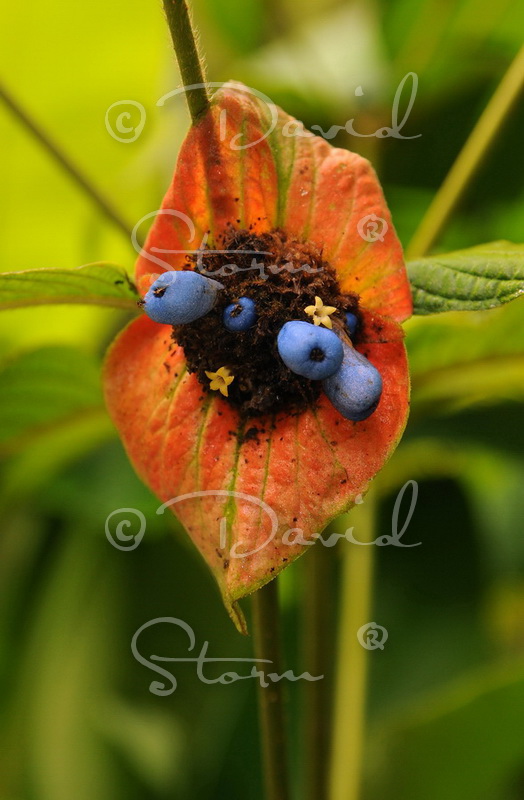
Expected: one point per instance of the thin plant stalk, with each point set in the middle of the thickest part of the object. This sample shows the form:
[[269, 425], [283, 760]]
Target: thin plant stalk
[[266, 634], [317, 634], [469, 159], [189, 61], [345, 777]]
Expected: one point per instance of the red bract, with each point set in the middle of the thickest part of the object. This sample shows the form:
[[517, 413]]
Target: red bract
[[306, 467]]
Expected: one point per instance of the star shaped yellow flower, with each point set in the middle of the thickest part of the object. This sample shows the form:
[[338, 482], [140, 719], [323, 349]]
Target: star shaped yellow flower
[[321, 313], [220, 380]]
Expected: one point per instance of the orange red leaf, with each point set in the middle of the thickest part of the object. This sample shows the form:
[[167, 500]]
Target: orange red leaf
[[246, 489]]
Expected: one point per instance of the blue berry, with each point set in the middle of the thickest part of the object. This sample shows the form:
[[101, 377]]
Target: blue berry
[[356, 387], [241, 315], [178, 297], [309, 350], [351, 322]]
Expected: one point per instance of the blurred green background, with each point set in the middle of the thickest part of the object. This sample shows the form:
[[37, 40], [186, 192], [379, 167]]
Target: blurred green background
[[446, 704]]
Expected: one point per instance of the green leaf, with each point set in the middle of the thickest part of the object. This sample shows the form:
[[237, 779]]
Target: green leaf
[[464, 743], [70, 628], [491, 475], [493, 481], [44, 389], [51, 452], [468, 280], [93, 284], [462, 359]]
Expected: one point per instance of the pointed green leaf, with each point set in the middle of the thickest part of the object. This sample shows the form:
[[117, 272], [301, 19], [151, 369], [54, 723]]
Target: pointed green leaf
[[468, 280], [93, 284], [44, 389], [461, 359], [463, 743]]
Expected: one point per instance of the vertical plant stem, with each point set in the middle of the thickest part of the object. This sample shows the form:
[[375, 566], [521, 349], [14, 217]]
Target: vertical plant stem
[[67, 165], [266, 633], [189, 62], [469, 159], [352, 658], [317, 633]]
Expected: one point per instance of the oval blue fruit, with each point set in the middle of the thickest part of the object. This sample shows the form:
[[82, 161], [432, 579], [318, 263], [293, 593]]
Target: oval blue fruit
[[355, 389], [179, 297], [351, 322], [309, 350], [241, 315]]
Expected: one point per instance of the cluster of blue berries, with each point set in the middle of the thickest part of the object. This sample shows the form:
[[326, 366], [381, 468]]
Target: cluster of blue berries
[[350, 381]]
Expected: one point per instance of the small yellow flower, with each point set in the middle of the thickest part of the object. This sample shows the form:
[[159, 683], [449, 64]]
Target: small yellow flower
[[321, 313], [220, 380]]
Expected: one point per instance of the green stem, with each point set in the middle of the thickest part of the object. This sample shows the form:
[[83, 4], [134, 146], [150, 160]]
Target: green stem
[[469, 159], [318, 629], [186, 51], [352, 658], [266, 634], [104, 205]]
